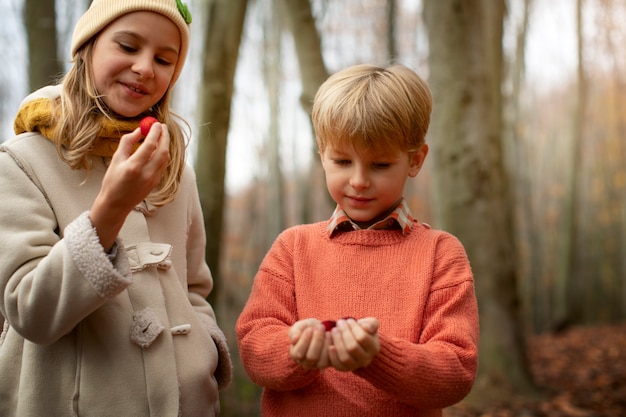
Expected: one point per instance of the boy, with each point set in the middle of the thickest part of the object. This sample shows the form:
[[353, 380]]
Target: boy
[[370, 313]]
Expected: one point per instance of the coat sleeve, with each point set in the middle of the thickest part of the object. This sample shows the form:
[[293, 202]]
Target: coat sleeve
[[42, 267]]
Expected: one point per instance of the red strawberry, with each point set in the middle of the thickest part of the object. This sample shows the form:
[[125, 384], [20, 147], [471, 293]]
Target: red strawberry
[[146, 123], [329, 324]]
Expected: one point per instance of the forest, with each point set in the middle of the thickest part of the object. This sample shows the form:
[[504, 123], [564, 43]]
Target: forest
[[527, 164]]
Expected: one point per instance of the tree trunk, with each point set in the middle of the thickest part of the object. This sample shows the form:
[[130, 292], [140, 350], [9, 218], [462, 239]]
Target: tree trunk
[[392, 41], [44, 65], [564, 293], [313, 73], [272, 72], [522, 165], [472, 196], [224, 27]]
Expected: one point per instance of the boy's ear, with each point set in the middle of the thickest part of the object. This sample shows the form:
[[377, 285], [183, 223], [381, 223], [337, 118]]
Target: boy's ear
[[417, 159], [320, 154]]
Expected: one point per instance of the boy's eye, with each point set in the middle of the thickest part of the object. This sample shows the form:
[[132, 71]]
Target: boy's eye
[[163, 61], [381, 165], [342, 161]]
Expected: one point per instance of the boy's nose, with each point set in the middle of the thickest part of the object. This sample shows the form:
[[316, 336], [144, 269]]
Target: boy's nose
[[359, 179]]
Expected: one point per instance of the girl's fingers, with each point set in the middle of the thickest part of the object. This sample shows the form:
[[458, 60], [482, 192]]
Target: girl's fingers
[[127, 143], [156, 145]]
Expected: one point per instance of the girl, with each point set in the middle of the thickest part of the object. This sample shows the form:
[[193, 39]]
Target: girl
[[102, 268]]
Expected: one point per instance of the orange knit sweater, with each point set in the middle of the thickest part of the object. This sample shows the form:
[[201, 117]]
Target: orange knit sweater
[[419, 286]]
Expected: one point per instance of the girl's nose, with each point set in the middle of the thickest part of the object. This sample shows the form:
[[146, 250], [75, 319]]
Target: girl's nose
[[144, 66]]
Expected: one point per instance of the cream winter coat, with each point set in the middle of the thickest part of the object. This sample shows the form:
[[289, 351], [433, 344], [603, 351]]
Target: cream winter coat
[[91, 334]]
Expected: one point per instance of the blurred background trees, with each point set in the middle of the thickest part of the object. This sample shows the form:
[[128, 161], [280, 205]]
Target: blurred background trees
[[527, 168], [471, 189]]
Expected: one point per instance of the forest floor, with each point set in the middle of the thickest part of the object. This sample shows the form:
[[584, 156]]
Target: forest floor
[[581, 373]]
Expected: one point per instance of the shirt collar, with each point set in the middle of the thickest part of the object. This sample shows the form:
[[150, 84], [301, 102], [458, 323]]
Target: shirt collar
[[400, 218]]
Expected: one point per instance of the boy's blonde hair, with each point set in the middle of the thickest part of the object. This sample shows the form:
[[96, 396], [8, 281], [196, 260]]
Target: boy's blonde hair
[[372, 108], [80, 117]]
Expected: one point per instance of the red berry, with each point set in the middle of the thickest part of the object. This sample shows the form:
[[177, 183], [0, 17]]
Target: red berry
[[329, 324], [146, 123]]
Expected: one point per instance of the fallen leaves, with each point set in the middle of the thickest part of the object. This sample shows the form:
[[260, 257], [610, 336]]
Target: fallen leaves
[[582, 371]]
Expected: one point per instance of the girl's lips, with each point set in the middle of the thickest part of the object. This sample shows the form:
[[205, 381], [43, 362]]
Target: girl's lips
[[134, 90]]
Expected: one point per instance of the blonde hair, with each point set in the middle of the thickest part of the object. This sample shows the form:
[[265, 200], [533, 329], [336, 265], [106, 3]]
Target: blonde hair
[[372, 108], [79, 122]]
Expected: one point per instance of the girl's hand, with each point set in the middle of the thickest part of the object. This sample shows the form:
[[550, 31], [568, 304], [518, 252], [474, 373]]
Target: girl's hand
[[309, 344], [129, 179], [354, 343]]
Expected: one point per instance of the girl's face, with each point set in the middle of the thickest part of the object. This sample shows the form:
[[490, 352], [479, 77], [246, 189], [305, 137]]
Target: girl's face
[[369, 185], [133, 61]]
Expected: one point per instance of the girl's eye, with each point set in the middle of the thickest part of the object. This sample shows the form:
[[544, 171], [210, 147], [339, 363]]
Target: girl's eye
[[127, 48]]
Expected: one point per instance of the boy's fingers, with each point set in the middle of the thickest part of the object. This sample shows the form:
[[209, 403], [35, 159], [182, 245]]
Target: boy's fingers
[[299, 350], [324, 359], [298, 327], [333, 358], [355, 346], [370, 324], [293, 335], [317, 344]]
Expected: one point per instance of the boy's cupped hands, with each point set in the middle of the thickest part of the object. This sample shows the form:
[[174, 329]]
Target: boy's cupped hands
[[349, 345]]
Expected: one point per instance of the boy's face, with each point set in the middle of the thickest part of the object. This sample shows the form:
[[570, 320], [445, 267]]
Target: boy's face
[[134, 59], [368, 185]]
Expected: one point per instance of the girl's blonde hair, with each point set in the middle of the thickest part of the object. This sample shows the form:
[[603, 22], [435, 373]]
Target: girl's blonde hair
[[79, 119], [372, 108]]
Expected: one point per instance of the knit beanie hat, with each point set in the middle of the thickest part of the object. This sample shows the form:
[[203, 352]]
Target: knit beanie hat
[[103, 12]]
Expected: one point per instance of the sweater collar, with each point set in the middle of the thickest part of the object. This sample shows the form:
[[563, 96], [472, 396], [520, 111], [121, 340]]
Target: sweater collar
[[400, 218]]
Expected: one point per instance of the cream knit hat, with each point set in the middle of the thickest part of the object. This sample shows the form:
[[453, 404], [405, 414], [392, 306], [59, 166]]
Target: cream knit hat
[[103, 12]]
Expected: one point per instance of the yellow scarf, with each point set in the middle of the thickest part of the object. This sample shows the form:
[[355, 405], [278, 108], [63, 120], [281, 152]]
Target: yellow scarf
[[36, 116]]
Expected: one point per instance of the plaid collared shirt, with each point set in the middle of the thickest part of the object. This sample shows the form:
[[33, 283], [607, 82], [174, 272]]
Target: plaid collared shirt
[[400, 218]]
